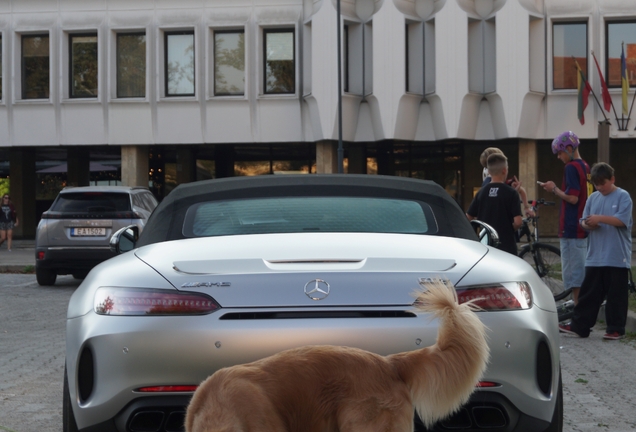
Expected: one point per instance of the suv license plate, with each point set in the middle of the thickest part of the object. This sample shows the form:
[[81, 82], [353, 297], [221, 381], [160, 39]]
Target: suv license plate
[[90, 232]]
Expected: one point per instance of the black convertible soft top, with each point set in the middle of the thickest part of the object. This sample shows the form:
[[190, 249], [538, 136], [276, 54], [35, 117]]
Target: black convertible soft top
[[166, 221]]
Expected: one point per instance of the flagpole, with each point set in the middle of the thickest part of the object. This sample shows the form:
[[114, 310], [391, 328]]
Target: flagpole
[[591, 89], [602, 79]]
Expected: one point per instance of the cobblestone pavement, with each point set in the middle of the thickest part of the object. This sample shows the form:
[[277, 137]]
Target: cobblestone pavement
[[599, 377], [32, 345], [599, 383]]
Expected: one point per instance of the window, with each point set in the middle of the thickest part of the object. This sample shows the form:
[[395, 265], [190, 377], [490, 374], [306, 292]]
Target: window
[[280, 76], [179, 60], [229, 63], [35, 66], [0, 66], [83, 65], [309, 214], [619, 33], [569, 46], [131, 65]]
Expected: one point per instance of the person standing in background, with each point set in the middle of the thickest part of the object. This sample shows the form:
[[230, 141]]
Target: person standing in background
[[8, 220], [608, 217], [573, 194], [497, 204]]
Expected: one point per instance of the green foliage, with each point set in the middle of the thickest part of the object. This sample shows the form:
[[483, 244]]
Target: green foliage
[[5, 184]]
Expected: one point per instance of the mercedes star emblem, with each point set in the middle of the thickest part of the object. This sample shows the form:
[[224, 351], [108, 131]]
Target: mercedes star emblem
[[317, 289]]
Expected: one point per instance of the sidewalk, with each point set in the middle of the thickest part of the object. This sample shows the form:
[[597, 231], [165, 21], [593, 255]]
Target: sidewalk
[[22, 258]]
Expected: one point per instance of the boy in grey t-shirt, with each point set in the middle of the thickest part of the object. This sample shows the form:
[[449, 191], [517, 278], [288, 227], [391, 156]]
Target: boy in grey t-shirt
[[608, 218]]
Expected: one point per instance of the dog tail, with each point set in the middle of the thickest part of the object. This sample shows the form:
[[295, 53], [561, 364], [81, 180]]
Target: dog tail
[[442, 377]]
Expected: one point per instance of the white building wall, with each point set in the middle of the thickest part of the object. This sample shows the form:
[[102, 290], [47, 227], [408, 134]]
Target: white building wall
[[517, 108]]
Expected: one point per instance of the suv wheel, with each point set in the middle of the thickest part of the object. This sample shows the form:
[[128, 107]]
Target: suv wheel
[[45, 276]]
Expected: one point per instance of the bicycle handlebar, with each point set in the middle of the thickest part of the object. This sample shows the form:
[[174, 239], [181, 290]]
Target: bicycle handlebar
[[539, 202]]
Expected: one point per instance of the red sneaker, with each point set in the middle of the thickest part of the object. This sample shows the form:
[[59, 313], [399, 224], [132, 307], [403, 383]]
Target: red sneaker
[[613, 336], [567, 329]]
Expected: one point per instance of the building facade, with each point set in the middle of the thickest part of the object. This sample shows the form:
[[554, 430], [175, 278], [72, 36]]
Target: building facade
[[161, 92]]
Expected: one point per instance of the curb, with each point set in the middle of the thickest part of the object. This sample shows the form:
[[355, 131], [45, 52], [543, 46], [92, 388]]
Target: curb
[[16, 268]]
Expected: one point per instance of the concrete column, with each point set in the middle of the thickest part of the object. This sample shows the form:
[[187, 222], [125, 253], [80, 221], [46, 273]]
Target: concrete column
[[224, 160], [528, 166], [326, 157], [134, 165], [186, 165], [357, 159], [78, 163], [22, 183]]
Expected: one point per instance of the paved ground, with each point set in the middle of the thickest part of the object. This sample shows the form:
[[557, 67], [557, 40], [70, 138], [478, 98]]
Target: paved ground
[[599, 377]]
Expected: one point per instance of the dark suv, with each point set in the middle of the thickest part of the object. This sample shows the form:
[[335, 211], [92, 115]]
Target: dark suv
[[73, 235]]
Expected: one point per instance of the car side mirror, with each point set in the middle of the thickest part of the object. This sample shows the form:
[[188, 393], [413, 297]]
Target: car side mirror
[[487, 234], [124, 239]]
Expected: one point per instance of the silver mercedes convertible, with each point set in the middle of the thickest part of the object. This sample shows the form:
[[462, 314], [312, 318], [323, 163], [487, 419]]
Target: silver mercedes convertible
[[229, 271]]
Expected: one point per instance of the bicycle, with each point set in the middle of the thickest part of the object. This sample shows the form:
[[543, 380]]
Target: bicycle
[[545, 259]]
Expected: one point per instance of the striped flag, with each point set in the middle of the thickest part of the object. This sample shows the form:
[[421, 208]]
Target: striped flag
[[584, 90], [624, 80]]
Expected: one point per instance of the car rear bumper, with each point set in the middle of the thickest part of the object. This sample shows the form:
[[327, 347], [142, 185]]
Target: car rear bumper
[[485, 411], [71, 259], [132, 352]]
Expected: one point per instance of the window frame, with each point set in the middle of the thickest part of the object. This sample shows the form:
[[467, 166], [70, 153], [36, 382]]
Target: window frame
[[135, 32], [228, 31], [586, 66], [265, 32], [607, 57], [166, 35], [23, 80], [70, 64]]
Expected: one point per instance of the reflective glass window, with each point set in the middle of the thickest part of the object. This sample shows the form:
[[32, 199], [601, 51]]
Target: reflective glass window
[[229, 63], [179, 47], [131, 65], [83, 70], [280, 75], [569, 42], [35, 66]]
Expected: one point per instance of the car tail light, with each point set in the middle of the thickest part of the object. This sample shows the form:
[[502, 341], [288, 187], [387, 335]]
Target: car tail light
[[504, 296], [147, 302], [168, 389]]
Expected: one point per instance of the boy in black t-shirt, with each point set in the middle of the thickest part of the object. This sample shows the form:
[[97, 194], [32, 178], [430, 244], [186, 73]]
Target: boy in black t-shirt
[[497, 204]]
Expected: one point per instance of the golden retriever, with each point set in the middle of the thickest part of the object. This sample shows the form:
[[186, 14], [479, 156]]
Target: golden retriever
[[343, 389]]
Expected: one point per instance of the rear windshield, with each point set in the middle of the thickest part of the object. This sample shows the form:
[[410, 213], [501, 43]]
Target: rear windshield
[[91, 202], [309, 214]]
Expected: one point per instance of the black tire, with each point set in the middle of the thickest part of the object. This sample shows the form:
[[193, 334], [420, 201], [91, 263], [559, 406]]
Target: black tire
[[45, 277], [550, 266], [68, 418], [79, 275], [556, 425], [565, 311]]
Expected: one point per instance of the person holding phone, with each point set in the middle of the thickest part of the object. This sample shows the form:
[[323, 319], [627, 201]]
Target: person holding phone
[[573, 194], [608, 218]]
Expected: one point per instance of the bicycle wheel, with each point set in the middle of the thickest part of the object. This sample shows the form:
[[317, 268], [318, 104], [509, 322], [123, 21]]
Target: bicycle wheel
[[546, 261]]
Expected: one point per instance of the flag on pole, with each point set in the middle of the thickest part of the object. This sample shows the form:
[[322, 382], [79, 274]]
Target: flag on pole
[[584, 89], [607, 99], [624, 80]]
